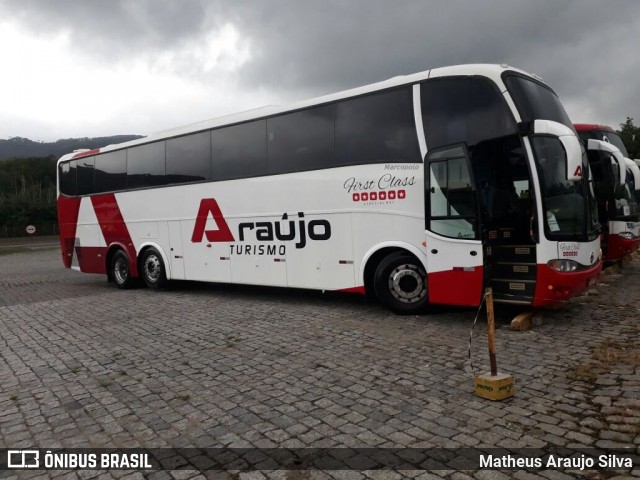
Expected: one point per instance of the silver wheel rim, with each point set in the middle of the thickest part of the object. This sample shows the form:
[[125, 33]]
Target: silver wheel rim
[[152, 268], [407, 284], [121, 270]]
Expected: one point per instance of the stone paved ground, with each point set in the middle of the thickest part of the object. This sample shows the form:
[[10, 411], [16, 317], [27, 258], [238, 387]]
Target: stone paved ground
[[84, 364]]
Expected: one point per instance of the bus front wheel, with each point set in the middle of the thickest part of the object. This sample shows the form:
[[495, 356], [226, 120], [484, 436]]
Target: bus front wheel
[[401, 284], [121, 271], [152, 271]]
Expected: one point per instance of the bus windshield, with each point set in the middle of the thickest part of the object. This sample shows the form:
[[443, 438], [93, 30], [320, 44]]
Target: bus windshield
[[536, 101], [570, 207], [614, 139], [625, 198]]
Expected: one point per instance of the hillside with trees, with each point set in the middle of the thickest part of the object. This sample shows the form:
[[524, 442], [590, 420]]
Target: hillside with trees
[[27, 195], [28, 180], [19, 147]]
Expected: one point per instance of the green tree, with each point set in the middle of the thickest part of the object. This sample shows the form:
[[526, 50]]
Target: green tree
[[630, 135], [27, 194]]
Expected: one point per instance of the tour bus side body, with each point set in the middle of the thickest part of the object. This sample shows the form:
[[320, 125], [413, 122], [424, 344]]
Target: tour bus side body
[[420, 189]]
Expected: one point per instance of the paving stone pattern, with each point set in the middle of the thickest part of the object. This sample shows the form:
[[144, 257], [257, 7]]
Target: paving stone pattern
[[83, 364]]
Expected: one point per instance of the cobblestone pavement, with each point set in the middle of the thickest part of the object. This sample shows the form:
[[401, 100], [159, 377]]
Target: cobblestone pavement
[[86, 365]]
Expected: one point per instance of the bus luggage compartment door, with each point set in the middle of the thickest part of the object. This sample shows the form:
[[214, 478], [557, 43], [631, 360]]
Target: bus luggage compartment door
[[175, 250]]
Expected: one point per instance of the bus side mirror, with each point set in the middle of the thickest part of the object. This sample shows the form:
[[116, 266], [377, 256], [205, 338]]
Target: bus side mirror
[[569, 141]]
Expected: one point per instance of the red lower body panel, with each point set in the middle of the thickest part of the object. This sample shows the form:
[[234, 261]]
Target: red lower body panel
[[358, 290], [553, 286], [456, 287], [619, 247], [92, 259]]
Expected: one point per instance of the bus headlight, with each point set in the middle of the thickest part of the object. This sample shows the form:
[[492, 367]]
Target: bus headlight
[[627, 235], [564, 265]]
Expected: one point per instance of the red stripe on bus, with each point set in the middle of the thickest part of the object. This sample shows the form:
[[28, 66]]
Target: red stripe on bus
[[68, 208], [87, 153], [358, 290], [113, 227]]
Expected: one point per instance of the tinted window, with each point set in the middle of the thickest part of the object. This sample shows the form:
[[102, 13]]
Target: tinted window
[[67, 177], [614, 139], [469, 110], [301, 140], [85, 175], [239, 151], [189, 158], [536, 101], [451, 202], [564, 200], [145, 165], [111, 171], [378, 128]]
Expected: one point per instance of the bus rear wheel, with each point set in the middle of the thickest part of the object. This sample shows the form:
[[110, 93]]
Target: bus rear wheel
[[152, 269], [401, 284], [121, 271]]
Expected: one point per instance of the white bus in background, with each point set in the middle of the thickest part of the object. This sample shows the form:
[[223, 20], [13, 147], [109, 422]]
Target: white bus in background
[[617, 187], [416, 190]]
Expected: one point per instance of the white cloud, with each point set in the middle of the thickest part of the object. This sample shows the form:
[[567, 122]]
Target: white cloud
[[53, 92]]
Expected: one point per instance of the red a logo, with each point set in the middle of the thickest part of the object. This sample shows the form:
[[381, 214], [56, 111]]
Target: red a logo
[[578, 172], [222, 234]]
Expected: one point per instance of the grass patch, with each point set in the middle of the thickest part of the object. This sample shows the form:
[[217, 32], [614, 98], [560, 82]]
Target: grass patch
[[10, 250], [611, 352], [184, 398], [587, 373], [25, 249], [607, 353]]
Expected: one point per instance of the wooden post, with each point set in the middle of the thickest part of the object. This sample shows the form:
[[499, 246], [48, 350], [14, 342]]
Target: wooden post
[[493, 385], [492, 331]]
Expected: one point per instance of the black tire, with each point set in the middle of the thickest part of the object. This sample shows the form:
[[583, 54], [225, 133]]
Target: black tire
[[152, 269], [121, 270], [401, 284]]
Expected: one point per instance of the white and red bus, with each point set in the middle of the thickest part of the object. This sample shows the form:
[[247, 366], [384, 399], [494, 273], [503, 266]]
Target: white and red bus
[[617, 186], [420, 189]]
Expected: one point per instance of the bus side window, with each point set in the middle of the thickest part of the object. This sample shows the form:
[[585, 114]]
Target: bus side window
[[111, 171], [85, 175], [451, 199], [239, 151], [376, 128], [67, 174], [146, 165]]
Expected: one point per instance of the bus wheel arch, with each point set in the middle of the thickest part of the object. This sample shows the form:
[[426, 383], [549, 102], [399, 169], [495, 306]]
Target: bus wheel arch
[[152, 266], [119, 268], [397, 278]]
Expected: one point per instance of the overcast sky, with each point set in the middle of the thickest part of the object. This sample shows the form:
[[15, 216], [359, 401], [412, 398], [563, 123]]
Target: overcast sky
[[79, 68]]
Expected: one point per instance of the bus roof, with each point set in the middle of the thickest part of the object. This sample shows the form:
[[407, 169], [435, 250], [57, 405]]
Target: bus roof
[[492, 71]]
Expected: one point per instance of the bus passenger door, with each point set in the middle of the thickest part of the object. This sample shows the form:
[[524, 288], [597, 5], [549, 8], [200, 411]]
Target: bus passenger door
[[454, 250], [176, 254]]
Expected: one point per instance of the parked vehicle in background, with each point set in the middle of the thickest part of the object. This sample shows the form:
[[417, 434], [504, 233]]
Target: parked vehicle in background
[[420, 189], [617, 186]]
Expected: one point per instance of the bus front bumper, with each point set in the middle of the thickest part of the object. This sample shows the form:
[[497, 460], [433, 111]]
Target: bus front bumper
[[619, 247], [553, 287]]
